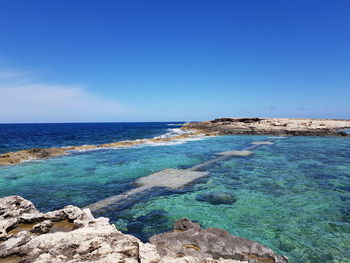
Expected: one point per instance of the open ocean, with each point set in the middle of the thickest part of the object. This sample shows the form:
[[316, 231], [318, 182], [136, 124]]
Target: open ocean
[[293, 196]]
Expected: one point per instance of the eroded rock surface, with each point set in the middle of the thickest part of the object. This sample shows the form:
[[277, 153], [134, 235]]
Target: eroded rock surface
[[72, 235], [32, 154], [272, 126], [66, 235], [189, 240]]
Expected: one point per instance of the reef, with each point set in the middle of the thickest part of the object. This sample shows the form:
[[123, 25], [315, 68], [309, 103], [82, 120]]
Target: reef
[[32, 154], [272, 126], [44, 153], [72, 235]]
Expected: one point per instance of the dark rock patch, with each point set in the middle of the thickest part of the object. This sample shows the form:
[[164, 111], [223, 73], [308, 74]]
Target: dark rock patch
[[216, 198]]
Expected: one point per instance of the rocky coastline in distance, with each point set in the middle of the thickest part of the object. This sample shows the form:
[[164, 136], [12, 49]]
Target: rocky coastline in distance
[[272, 126], [73, 235], [221, 126]]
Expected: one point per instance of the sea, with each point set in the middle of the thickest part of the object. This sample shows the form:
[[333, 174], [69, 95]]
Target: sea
[[293, 195]]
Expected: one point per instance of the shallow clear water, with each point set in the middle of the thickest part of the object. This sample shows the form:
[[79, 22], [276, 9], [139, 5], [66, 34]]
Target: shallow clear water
[[293, 196]]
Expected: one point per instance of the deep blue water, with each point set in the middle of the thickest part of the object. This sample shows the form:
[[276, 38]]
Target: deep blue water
[[293, 196], [15, 137]]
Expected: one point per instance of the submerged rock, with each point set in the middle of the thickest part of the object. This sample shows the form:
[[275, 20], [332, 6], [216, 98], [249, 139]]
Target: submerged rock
[[216, 198], [263, 143], [73, 235], [170, 178], [191, 241], [235, 153], [167, 178]]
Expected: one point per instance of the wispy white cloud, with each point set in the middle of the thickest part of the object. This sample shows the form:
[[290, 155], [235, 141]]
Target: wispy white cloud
[[9, 75], [39, 102]]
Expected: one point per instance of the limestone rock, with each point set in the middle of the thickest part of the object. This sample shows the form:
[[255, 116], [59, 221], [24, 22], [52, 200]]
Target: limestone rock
[[32, 154], [42, 227], [272, 126], [72, 235], [170, 178], [235, 153], [212, 243]]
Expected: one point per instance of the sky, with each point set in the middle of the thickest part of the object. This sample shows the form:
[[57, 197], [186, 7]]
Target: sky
[[173, 60]]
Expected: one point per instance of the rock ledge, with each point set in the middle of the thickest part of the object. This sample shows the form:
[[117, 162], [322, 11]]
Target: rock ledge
[[272, 126], [72, 235]]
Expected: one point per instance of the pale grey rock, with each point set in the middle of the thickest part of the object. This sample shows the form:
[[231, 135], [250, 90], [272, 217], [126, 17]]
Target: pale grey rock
[[73, 235], [14, 210], [89, 240], [235, 153], [170, 178]]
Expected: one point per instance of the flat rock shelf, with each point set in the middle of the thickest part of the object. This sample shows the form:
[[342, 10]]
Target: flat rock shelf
[[272, 126]]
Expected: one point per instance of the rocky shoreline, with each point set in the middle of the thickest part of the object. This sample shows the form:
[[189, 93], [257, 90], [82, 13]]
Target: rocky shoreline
[[272, 126], [72, 235], [222, 126], [44, 153]]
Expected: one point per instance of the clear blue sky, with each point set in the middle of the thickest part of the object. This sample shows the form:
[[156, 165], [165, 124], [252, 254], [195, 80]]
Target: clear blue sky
[[65, 60]]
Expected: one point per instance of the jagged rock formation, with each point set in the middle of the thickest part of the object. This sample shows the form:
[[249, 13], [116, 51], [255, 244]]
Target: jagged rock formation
[[188, 239], [272, 126], [74, 235]]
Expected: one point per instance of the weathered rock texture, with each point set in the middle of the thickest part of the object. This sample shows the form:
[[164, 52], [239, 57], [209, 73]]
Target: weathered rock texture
[[74, 235], [272, 126], [32, 154], [189, 240]]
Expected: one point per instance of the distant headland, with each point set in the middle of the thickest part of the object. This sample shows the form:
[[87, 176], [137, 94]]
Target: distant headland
[[272, 126]]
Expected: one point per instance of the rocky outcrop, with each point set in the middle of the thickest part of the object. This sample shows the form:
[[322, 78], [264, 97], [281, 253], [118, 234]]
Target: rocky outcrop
[[189, 240], [272, 126], [72, 235], [67, 235], [25, 155]]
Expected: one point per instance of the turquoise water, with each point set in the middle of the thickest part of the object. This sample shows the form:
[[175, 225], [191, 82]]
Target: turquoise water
[[293, 196]]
